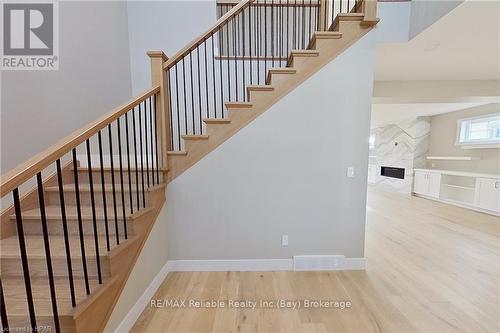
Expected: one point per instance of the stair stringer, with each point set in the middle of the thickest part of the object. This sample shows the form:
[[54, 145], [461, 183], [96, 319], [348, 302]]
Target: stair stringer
[[92, 314], [260, 101]]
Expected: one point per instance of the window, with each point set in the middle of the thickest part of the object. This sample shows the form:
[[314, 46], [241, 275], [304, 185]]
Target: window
[[483, 130]]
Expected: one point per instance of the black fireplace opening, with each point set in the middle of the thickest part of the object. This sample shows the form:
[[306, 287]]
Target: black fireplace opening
[[392, 172]]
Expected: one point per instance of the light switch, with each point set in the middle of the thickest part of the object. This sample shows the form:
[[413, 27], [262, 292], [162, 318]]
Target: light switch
[[284, 240], [350, 172]]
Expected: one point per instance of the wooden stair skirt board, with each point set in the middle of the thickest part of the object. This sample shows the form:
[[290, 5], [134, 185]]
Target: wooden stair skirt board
[[92, 311], [326, 46]]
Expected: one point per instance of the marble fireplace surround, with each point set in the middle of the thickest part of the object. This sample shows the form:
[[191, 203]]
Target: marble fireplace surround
[[402, 145]]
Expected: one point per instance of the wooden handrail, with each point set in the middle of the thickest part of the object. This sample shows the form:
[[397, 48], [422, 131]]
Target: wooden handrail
[[26, 170], [220, 22]]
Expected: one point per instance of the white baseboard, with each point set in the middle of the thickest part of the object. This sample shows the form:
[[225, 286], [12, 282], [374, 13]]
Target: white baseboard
[[135, 311], [298, 263], [230, 265]]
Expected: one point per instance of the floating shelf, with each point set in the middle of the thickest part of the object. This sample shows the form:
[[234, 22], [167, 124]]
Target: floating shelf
[[453, 158]]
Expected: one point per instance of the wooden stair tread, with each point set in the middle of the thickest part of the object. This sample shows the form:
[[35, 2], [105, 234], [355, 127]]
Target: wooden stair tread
[[327, 35], [177, 153], [216, 120], [304, 53], [282, 70], [35, 246], [243, 105], [260, 88], [15, 294], [351, 15], [194, 137], [53, 212]]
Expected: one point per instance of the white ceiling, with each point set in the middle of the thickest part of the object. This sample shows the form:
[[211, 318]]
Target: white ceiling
[[462, 45]]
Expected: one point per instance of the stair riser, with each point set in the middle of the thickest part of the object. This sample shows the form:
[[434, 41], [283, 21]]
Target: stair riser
[[278, 79], [38, 266], [257, 96], [323, 43], [52, 198], [55, 227], [83, 177], [300, 61]]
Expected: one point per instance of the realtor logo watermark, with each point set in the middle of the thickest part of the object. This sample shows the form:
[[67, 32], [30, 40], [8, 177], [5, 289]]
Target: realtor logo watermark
[[30, 35]]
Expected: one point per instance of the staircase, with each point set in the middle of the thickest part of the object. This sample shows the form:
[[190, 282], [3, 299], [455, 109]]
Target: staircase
[[81, 211]]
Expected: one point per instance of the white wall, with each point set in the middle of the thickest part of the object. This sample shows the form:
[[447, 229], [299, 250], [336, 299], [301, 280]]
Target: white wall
[[442, 143], [39, 108], [284, 174], [394, 25], [162, 25], [425, 12]]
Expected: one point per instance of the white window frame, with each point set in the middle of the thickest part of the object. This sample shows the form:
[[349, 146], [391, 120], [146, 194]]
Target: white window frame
[[479, 144]]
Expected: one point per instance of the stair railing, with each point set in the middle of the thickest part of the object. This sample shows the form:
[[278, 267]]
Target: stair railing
[[249, 38], [119, 155]]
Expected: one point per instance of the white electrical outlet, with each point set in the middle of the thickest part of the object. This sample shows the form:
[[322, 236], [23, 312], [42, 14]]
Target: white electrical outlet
[[350, 172], [284, 240]]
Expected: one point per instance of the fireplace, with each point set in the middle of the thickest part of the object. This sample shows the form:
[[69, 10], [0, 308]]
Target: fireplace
[[392, 172]]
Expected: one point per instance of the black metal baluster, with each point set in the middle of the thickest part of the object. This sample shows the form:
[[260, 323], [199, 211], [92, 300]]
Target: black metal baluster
[[303, 9], [199, 88], [243, 63], [272, 32], [113, 187], [128, 165], [94, 219], [206, 77], [265, 38], [24, 259], [294, 46], [185, 103], [65, 232], [178, 111], [227, 58], [250, 40], [235, 57], [135, 158], [3, 310], [221, 85], [104, 205], [80, 222], [281, 31], [142, 159], [310, 21], [152, 143], [124, 215], [258, 30], [192, 93], [46, 244], [146, 153], [213, 75], [156, 144], [287, 29]]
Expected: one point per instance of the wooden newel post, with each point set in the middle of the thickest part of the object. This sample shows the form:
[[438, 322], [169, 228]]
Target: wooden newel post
[[370, 10], [159, 77]]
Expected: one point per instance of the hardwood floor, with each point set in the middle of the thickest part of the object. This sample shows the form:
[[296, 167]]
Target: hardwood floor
[[431, 268]]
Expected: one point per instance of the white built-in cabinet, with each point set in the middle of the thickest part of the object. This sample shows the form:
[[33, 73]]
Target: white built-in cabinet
[[476, 191], [488, 194], [427, 183]]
